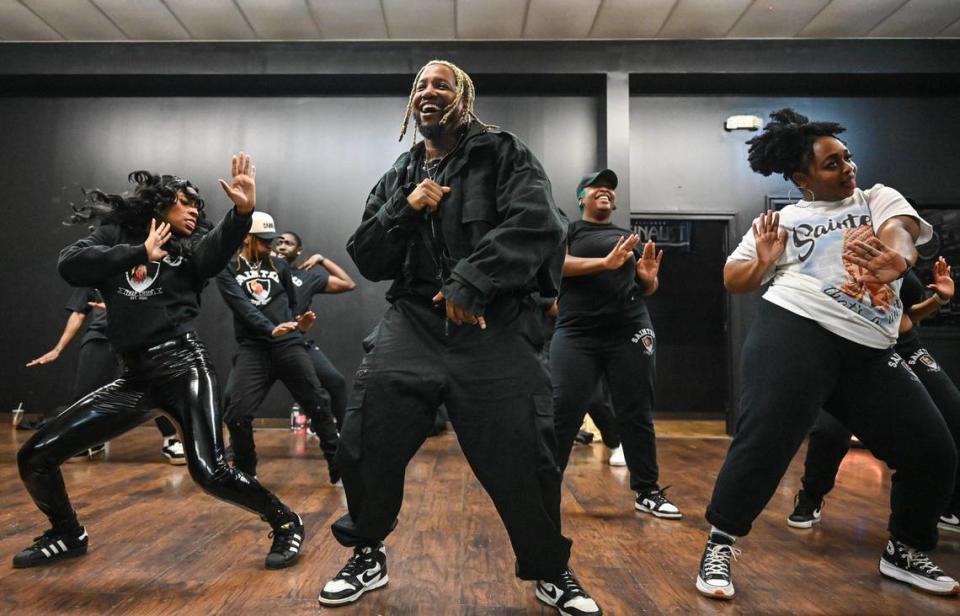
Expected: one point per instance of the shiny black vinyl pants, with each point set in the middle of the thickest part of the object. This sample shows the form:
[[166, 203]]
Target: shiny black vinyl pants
[[175, 377]]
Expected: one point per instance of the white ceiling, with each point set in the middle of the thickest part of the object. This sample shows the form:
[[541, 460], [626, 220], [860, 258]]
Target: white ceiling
[[290, 20]]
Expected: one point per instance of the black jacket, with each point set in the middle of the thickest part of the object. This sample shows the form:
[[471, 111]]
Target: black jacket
[[149, 302], [260, 298], [498, 231]]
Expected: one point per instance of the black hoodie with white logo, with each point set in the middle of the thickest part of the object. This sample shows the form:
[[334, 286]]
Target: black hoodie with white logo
[[150, 302]]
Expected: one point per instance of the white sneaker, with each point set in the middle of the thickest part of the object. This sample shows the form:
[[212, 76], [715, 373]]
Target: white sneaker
[[616, 457], [173, 450], [949, 523]]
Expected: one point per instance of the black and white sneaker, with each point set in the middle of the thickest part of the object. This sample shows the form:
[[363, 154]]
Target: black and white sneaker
[[97, 451], [715, 579], [566, 594], [655, 502], [806, 511], [51, 547], [173, 450], [366, 570], [950, 523], [905, 564], [286, 544]]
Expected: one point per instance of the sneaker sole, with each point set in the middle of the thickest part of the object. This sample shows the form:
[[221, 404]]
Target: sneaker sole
[[715, 592], [283, 565], [807, 524], [350, 599], [666, 516], [176, 461], [950, 528], [617, 464], [49, 561], [916, 581]]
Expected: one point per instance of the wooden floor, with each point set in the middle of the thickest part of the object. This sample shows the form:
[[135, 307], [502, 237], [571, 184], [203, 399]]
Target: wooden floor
[[160, 546]]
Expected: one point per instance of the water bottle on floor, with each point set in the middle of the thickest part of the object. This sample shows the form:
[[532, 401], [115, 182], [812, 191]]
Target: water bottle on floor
[[298, 420]]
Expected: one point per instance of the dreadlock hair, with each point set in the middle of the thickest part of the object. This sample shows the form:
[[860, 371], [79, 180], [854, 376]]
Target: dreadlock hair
[[132, 211], [786, 144], [465, 91]]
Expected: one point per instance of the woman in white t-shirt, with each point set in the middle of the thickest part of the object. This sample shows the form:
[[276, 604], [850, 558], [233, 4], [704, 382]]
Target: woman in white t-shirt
[[822, 338]]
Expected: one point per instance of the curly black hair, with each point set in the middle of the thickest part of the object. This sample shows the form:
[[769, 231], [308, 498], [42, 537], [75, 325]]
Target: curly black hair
[[151, 196], [786, 144]]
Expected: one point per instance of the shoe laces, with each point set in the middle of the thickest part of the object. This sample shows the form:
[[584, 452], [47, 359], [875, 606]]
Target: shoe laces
[[717, 560], [569, 584], [282, 535], [361, 559], [47, 538], [659, 497], [918, 560]]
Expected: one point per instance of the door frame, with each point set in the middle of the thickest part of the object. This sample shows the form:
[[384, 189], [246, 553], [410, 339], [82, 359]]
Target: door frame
[[732, 239]]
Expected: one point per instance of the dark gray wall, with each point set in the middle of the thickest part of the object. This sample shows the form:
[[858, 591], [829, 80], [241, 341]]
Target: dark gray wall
[[317, 158]]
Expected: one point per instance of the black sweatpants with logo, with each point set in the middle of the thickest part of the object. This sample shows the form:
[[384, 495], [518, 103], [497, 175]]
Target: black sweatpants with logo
[[255, 369], [792, 367], [497, 392], [626, 356], [830, 440]]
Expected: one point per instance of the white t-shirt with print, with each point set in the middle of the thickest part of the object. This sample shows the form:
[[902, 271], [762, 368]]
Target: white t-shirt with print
[[812, 280]]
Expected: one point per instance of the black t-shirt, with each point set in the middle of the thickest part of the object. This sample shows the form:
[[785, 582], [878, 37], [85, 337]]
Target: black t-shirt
[[96, 317], [308, 283], [606, 298]]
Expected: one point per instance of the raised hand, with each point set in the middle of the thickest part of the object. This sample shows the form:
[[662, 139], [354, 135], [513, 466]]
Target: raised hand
[[427, 194], [882, 264], [306, 320], [284, 328], [648, 266], [943, 284], [242, 189], [157, 237], [770, 238], [621, 251]]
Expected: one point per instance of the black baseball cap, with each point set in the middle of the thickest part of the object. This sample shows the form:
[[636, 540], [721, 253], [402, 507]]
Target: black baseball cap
[[605, 175]]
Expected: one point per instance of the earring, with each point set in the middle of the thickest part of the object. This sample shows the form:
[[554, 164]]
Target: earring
[[804, 191]]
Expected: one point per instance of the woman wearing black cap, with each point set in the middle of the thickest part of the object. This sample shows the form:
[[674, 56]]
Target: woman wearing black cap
[[604, 329], [150, 259]]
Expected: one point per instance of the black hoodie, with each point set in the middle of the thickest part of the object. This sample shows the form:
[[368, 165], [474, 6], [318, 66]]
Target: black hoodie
[[150, 302]]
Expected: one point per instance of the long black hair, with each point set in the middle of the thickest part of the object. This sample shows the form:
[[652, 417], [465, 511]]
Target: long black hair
[[786, 144], [132, 211]]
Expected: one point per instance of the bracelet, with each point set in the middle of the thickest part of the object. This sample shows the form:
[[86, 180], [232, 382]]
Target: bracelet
[[940, 301], [904, 272]]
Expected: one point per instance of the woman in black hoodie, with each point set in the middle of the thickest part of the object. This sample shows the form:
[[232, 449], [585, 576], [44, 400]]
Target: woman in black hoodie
[[150, 258]]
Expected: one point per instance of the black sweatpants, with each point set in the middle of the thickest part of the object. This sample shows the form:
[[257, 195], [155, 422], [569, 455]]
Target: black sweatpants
[[255, 369], [497, 392], [792, 367], [97, 365], [175, 377], [626, 356], [331, 379], [830, 440]]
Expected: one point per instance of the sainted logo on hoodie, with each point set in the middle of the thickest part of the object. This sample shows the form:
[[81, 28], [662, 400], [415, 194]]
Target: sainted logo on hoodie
[[258, 284], [140, 281]]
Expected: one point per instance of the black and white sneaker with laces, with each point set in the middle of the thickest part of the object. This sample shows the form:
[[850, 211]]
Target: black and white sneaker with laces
[[655, 502], [366, 570], [51, 547], [566, 594], [949, 522], [287, 539], [715, 579], [806, 511], [173, 450], [905, 564]]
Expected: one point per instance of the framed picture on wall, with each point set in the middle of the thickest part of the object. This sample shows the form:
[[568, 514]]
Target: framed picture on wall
[[945, 219], [775, 203]]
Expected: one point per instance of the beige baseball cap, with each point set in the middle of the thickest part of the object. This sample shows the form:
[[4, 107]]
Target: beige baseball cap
[[263, 226]]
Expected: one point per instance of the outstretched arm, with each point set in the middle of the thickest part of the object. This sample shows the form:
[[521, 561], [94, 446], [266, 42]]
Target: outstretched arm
[[74, 323], [339, 281], [771, 240]]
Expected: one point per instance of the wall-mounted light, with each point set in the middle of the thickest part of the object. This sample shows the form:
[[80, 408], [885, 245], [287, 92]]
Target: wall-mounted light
[[743, 122]]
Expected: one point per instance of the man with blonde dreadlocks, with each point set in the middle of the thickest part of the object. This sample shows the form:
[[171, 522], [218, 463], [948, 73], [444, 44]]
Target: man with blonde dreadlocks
[[465, 226]]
